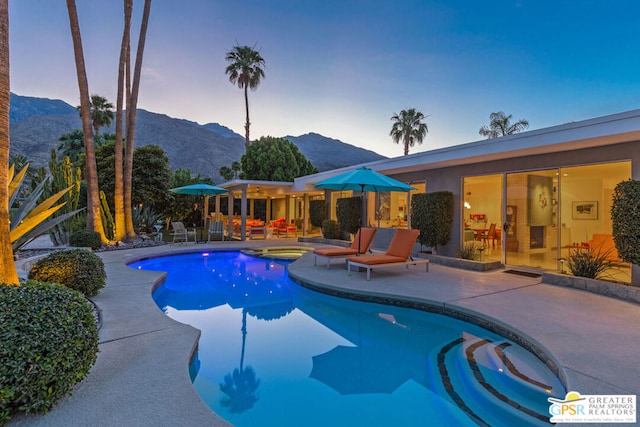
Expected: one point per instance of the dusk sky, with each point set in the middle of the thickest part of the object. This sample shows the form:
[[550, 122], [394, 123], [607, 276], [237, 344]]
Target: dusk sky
[[343, 68]]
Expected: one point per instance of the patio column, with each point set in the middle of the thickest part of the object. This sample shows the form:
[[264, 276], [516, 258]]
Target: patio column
[[217, 207], [408, 209], [305, 214], [268, 218], [243, 213], [327, 203], [230, 216]]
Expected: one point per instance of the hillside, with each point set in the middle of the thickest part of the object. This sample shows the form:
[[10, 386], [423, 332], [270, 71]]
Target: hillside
[[37, 123]]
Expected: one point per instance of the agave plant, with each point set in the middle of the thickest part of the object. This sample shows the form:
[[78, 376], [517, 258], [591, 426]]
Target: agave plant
[[31, 219]]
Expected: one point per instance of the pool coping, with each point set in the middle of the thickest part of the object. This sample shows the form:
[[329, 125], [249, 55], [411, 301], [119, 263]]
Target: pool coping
[[139, 344]]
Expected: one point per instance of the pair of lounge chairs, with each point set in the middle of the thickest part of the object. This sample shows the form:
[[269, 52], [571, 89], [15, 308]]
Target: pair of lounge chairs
[[397, 254], [363, 240], [182, 233]]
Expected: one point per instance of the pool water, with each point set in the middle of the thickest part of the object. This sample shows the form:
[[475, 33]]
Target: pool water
[[273, 353]]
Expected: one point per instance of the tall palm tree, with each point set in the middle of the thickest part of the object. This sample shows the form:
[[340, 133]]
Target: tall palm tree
[[409, 128], [118, 189], [501, 125], [132, 105], [8, 272], [101, 113], [94, 220], [245, 70]]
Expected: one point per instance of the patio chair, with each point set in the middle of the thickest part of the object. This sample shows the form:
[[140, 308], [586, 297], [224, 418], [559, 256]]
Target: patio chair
[[181, 233], [364, 238], [398, 253], [216, 228]]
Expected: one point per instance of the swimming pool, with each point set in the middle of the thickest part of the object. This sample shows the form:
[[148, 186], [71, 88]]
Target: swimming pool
[[273, 353]]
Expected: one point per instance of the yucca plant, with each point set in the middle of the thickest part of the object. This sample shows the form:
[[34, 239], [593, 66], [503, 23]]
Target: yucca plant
[[588, 263], [469, 250], [31, 219]]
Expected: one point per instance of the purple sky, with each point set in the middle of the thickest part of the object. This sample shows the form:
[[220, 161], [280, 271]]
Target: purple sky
[[343, 68]]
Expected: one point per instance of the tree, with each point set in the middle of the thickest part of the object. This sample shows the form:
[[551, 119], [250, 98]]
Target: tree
[[274, 159], [101, 113], [409, 128], [245, 70], [500, 125], [132, 105], [94, 221], [8, 272], [71, 145], [226, 173], [151, 175], [236, 167]]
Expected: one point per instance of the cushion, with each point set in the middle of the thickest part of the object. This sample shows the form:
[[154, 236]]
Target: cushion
[[335, 252], [402, 243], [375, 259]]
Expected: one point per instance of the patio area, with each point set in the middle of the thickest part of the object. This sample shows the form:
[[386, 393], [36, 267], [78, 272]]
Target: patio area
[[141, 374]]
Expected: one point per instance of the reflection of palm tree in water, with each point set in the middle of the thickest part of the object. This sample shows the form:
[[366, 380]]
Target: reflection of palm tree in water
[[241, 385]]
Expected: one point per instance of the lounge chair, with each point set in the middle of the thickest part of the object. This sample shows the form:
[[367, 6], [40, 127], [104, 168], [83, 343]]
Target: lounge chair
[[398, 253], [216, 228], [181, 233], [364, 238]]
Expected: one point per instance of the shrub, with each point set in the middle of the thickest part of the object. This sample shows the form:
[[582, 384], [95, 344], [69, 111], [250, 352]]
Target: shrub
[[348, 213], [317, 212], [625, 215], [330, 229], [588, 263], [85, 239], [76, 268], [469, 250], [48, 343], [432, 214]]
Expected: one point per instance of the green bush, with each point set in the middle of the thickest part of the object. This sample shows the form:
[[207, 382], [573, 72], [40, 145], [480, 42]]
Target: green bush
[[330, 229], [85, 239], [625, 215], [76, 268], [348, 212], [432, 214], [588, 263], [48, 343], [317, 212]]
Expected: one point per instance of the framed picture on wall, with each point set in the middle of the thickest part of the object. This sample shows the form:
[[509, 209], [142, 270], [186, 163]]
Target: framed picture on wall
[[584, 210]]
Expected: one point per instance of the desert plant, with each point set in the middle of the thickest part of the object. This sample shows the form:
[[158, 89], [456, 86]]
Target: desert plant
[[144, 219], [625, 215], [108, 223], [588, 263], [469, 250], [85, 239], [348, 212], [48, 343], [330, 229], [32, 219], [78, 269], [317, 212], [432, 214]]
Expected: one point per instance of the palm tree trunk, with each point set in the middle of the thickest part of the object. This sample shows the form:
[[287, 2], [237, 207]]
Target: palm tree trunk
[[8, 272], [94, 220], [246, 125], [131, 122], [118, 193]]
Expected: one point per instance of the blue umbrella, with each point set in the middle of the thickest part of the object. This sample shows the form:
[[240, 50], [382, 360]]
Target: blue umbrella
[[199, 190], [363, 179]]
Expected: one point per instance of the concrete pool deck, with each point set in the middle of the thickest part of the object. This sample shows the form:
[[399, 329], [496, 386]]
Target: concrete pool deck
[[141, 375]]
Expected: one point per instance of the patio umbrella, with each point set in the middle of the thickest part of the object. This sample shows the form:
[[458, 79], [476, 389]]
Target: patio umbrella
[[363, 179], [199, 190]]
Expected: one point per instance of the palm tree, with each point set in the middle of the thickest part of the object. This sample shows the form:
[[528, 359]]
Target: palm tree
[[101, 113], [72, 145], [236, 167], [118, 172], [8, 272], [245, 70], [94, 219], [500, 125], [226, 173], [409, 128], [132, 105]]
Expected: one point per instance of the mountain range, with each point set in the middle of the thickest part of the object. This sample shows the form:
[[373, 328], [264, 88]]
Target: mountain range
[[37, 123]]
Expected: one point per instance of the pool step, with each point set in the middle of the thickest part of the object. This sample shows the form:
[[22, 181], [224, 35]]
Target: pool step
[[481, 381]]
